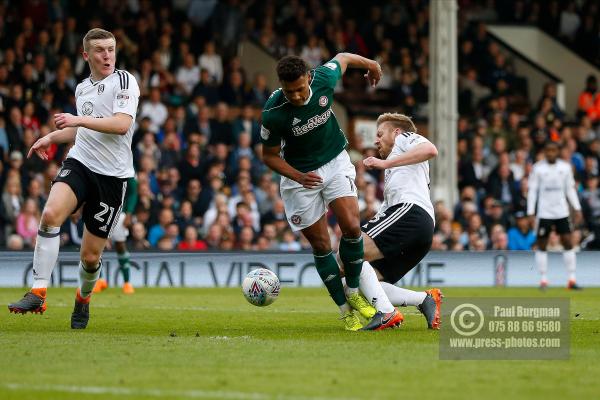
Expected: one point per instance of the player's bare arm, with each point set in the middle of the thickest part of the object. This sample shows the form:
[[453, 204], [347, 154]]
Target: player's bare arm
[[421, 152], [373, 68], [40, 147], [272, 159], [118, 124]]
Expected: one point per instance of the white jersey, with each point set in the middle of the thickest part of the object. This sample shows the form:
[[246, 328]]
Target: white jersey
[[407, 183], [106, 154], [550, 185]]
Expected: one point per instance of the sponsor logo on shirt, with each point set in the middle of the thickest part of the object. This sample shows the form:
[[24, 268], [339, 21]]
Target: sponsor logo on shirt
[[312, 123], [87, 108], [295, 121]]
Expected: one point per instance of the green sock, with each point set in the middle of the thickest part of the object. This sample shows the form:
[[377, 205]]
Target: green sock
[[329, 271], [351, 254], [124, 265]]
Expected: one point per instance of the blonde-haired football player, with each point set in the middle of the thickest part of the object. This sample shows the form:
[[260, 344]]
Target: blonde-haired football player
[[401, 233]]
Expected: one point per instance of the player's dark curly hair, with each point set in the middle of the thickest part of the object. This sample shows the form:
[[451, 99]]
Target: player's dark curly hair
[[290, 68]]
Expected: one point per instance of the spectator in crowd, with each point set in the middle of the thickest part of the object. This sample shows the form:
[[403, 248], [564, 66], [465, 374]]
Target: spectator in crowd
[[589, 100], [71, 232], [185, 217], [206, 88], [137, 239], [12, 200], [171, 238], [159, 230], [155, 110], [501, 185], [521, 236], [289, 242], [569, 22], [233, 91], [27, 222], [473, 172], [258, 92], [313, 52], [211, 61], [190, 240], [199, 197], [247, 122], [214, 235], [187, 76], [221, 129]]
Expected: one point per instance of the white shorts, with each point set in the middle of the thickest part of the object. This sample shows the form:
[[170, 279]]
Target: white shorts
[[119, 232], [304, 207]]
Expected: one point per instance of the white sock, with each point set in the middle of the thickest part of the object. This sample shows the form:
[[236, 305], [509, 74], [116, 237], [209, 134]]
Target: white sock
[[349, 290], [541, 260], [344, 308], [87, 280], [570, 263], [372, 290], [401, 297], [45, 254]]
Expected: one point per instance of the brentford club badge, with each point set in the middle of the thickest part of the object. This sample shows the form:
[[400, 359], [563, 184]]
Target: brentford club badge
[[323, 100], [100, 89]]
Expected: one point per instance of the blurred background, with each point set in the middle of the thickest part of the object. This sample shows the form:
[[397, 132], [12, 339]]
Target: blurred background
[[488, 81]]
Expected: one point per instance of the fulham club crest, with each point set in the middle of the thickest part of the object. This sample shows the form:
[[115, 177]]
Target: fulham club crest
[[100, 89], [323, 100], [87, 108]]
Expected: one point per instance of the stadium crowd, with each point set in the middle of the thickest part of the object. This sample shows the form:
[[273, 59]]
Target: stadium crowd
[[197, 152], [573, 22]]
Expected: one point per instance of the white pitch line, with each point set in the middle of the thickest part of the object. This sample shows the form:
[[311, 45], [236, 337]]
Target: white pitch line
[[192, 394], [187, 308]]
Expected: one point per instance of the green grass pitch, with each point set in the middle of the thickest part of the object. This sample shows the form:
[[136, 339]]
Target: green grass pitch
[[211, 344]]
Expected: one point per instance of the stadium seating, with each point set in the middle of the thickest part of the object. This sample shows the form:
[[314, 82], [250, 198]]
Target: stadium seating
[[197, 146]]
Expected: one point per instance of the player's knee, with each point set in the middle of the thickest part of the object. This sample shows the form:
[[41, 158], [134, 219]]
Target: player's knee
[[350, 225], [352, 231], [321, 246], [90, 260], [51, 216]]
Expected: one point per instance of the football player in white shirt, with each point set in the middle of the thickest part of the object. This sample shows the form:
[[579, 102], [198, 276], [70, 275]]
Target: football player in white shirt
[[551, 185], [401, 233], [93, 176]]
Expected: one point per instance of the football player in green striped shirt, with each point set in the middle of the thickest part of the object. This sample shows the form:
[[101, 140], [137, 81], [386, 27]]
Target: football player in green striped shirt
[[303, 142]]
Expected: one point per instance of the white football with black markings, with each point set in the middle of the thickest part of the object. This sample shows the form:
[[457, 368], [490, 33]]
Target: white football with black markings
[[261, 287]]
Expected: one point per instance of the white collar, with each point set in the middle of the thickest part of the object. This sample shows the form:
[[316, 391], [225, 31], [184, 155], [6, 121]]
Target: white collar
[[309, 96]]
